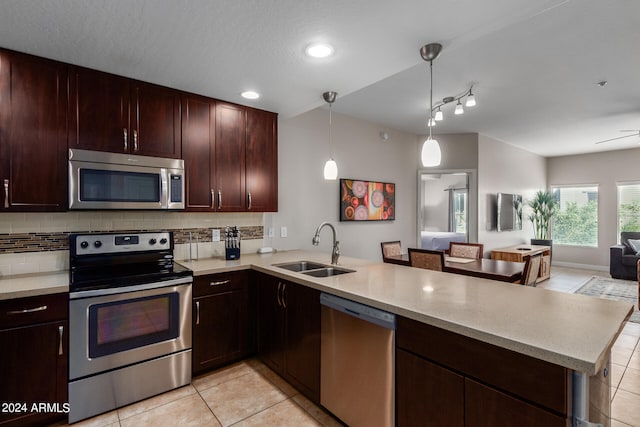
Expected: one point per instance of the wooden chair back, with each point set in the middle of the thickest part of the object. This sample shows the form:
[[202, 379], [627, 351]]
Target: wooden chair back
[[531, 270], [426, 258], [466, 250], [391, 248]]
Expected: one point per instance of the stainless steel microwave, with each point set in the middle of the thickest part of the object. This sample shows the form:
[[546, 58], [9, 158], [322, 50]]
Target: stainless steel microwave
[[100, 180]]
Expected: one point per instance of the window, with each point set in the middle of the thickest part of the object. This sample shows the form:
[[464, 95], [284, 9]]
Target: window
[[628, 207], [460, 211], [576, 219]]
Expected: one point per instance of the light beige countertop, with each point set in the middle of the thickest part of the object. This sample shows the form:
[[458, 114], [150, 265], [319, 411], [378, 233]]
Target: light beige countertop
[[29, 285], [574, 331]]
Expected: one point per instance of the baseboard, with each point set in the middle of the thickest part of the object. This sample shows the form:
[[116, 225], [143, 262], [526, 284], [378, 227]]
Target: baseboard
[[580, 266]]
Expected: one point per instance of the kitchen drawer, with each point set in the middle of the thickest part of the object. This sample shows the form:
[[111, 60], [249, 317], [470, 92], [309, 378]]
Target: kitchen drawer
[[215, 283], [32, 310]]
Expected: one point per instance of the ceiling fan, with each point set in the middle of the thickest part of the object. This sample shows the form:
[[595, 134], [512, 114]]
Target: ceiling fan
[[636, 132]]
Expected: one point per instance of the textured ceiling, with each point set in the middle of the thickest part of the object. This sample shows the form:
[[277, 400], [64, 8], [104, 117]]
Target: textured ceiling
[[534, 63]]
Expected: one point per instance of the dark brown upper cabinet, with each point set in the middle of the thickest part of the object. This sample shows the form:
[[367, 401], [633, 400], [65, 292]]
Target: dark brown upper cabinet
[[230, 155], [121, 115], [213, 152], [33, 133], [261, 161]]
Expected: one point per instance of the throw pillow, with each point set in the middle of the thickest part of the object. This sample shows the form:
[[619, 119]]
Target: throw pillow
[[635, 245]]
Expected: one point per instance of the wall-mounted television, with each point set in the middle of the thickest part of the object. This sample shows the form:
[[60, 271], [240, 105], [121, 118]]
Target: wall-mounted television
[[509, 212]]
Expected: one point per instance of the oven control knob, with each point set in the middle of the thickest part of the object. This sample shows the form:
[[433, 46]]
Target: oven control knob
[[97, 243], [84, 244], [152, 242], [163, 241]]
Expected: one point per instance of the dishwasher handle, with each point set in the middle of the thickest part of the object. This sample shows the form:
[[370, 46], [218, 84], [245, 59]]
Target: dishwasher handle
[[361, 311]]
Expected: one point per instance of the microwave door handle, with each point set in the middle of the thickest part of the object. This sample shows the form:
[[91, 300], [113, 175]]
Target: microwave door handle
[[164, 196]]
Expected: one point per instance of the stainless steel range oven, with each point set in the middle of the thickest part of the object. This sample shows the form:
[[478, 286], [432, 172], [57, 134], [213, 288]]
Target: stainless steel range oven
[[129, 320]]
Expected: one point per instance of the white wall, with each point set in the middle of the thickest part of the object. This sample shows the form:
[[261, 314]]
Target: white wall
[[306, 199], [506, 169], [605, 170]]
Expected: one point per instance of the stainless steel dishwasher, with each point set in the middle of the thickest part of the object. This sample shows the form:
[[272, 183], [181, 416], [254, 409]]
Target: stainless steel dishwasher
[[357, 362]]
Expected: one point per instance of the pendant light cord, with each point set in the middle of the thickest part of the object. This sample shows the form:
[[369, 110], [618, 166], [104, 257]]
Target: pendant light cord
[[430, 122], [330, 133]]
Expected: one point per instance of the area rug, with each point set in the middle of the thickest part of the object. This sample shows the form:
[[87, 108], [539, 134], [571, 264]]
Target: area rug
[[620, 290]]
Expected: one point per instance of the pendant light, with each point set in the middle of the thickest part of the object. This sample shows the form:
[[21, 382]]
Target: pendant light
[[430, 155], [330, 168]]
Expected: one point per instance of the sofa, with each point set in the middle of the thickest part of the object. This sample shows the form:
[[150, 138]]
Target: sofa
[[623, 258]]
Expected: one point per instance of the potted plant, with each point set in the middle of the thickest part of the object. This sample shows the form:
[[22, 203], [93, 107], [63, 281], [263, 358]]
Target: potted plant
[[543, 207]]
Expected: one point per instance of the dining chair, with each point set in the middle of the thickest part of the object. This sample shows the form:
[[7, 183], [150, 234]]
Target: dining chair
[[531, 270], [466, 250], [391, 248], [426, 258]]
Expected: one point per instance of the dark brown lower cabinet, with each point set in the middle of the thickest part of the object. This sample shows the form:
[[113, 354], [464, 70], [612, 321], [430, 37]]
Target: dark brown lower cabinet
[[446, 379], [289, 332], [487, 407], [428, 395], [222, 319], [33, 360]]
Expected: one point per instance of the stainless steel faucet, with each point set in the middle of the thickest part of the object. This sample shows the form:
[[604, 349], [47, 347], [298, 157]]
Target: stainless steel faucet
[[335, 253]]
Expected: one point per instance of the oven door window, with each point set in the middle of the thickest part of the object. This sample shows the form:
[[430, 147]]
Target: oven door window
[[124, 325], [98, 185]]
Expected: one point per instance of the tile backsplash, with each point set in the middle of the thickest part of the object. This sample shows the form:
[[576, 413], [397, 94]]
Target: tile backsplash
[[38, 242]]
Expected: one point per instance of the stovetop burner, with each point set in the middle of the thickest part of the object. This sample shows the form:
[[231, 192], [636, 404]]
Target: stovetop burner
[[111, 260]]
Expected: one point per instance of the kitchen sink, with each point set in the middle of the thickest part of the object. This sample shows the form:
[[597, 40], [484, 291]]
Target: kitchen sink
[[313, 268], [300, 265], [327, 271]]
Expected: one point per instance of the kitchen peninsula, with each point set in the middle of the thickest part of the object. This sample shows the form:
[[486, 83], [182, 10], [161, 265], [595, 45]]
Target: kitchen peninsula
[[537, 356], [474, 340]]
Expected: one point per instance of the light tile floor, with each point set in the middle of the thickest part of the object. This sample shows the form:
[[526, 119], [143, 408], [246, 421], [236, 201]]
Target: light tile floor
[[250, 394], [625, 354], [243, 394]]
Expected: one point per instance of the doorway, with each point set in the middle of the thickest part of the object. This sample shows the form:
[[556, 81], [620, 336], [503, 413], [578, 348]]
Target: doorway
[[447, 207]]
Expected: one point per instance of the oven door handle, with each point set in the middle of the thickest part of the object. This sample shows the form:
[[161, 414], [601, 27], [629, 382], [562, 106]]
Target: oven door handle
[[144, 287]]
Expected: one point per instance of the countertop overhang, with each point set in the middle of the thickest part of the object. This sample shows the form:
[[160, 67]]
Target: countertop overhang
[[573, 331]]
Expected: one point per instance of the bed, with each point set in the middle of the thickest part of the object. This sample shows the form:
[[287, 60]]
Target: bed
[[439, 240]]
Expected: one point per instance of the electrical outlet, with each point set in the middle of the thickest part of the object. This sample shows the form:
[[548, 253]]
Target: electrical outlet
[[270, 232], [283, 231], [215, 235]]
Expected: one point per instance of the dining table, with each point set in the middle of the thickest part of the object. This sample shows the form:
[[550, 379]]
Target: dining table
[[505, 271]]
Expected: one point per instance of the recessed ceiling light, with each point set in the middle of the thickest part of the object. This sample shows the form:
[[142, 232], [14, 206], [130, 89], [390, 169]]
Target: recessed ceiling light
[[319, 50], [250, 94]]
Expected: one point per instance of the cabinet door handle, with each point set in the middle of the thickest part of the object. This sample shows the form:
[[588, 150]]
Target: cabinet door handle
[[221, 282], [284, 295], [278, 294], [60, 335], [219, 199], [126, 142], [135, 140], [197, 312], [28, 310], [6, 193], [213, 199], [249, 196]]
